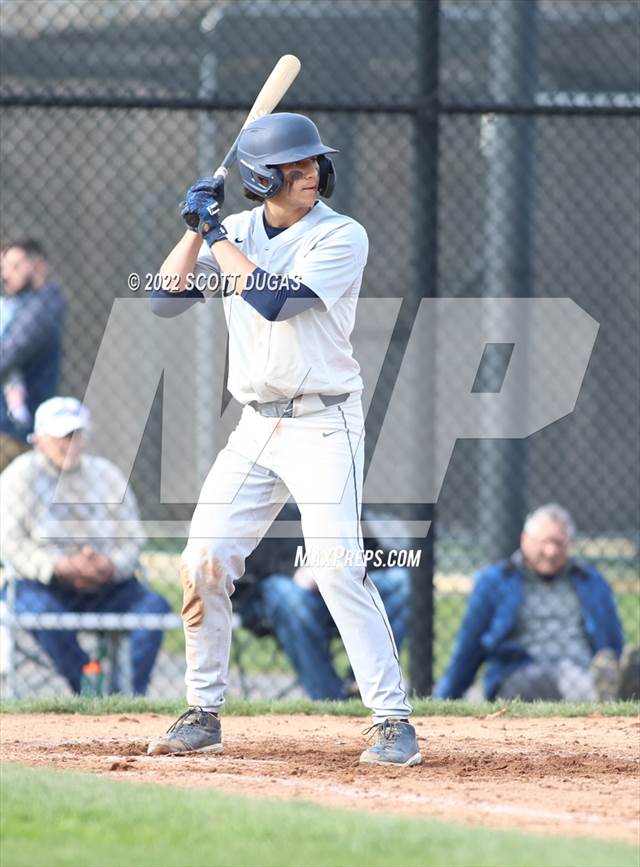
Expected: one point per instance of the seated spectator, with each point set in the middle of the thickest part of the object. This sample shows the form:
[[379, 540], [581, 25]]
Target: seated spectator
[[285, 600], [31, 312], [59, 570], [546, 626]]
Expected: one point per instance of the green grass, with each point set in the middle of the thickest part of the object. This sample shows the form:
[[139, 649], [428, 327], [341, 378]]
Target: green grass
[[71, 819], [352, 707]]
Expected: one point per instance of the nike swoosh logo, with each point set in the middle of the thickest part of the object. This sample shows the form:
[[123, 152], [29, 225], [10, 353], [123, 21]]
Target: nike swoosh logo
[[332, 432], [239, 241]]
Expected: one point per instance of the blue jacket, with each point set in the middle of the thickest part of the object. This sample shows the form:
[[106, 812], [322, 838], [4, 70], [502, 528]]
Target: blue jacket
[[33, 343], [491, 615]]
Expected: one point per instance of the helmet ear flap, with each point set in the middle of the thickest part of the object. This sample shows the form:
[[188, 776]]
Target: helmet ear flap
[[327, 181]]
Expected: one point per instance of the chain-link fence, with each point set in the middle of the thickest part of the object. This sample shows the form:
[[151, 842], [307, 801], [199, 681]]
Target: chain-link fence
[[491, 151]]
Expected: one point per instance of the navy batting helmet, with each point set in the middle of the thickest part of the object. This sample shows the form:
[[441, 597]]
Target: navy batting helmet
[[276, 139]]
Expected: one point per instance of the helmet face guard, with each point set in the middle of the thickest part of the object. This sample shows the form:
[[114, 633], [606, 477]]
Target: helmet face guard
[[274, 140]]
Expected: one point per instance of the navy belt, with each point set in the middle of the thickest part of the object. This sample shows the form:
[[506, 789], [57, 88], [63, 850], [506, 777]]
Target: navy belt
[[284, 408]]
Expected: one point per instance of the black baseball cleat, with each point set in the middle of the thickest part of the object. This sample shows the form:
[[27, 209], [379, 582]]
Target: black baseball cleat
[[196, 731]]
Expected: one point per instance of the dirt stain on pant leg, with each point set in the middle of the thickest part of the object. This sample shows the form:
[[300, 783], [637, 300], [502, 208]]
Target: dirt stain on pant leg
[[192, 608], [213, 574]]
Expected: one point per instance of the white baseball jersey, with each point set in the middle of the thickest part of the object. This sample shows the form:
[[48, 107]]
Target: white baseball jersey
[[310, 353]]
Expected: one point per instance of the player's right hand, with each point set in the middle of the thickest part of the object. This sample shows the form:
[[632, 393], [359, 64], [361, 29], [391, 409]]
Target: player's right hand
[[202, 191]]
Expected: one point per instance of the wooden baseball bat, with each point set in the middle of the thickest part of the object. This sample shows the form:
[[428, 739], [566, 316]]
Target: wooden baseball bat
[[277, 84]]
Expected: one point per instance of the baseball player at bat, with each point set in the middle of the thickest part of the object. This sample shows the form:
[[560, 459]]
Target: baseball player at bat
[[293, 269]]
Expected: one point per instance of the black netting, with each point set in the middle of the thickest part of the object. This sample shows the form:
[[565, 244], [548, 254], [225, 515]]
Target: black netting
[[491, 151]]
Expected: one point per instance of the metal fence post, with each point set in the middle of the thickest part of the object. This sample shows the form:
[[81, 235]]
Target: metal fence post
[[421, 626], [509, 152]]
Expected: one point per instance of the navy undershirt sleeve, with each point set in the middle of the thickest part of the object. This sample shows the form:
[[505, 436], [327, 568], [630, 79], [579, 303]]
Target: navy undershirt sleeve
[[167, 304], [277, 297]]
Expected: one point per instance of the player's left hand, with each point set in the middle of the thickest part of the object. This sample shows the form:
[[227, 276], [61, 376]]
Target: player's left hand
[[210, 226], [205, 188]]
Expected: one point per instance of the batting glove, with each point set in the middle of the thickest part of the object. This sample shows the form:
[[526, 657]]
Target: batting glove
[[210, 226], [201, 191], [192, 205]]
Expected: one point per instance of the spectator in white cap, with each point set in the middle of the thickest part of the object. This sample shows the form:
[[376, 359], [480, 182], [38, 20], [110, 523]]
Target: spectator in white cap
[[73, 544], [55, 422]]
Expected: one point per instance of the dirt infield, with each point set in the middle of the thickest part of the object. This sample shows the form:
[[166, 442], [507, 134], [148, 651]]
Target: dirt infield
[[571, 776]]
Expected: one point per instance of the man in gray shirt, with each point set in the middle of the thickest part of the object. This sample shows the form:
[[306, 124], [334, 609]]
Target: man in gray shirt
[[546, 626], [61, 530], [549, 625]]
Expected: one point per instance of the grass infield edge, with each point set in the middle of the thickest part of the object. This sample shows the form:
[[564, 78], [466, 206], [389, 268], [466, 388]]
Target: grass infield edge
[[352, 707]]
